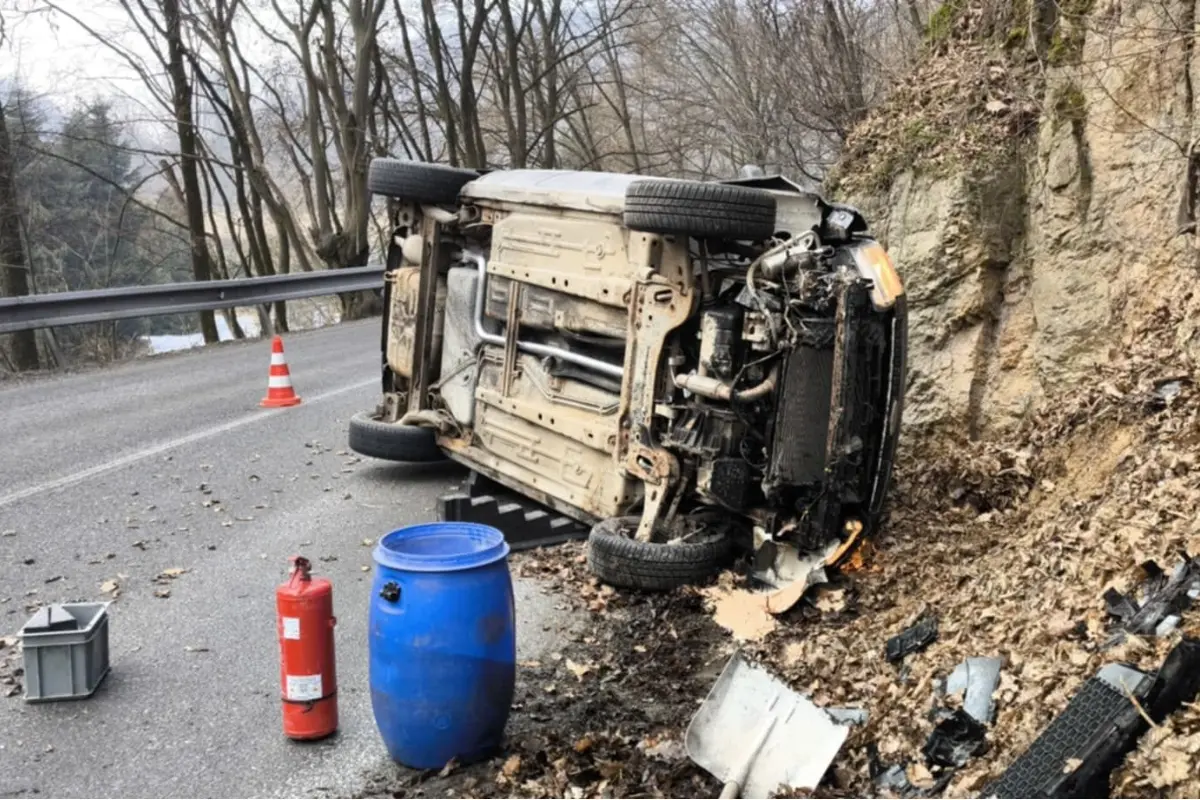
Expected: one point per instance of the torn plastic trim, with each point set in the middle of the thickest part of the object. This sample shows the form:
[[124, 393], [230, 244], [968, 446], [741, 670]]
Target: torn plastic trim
[[977, 678]]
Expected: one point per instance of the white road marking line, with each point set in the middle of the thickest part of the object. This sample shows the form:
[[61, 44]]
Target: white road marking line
[[162, 447]]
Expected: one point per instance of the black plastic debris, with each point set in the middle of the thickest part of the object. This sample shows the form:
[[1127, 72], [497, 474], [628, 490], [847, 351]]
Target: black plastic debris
[[1078, 751], [916, 638], [955, 740], [890, 778], [1100, 726], [1162, 598], [1119, 606], [1177, 681]]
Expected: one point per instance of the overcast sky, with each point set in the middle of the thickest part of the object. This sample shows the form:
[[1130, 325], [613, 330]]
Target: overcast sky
[[54, 56]]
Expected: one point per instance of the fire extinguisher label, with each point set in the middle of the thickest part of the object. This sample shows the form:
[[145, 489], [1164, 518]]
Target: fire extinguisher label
[[304, 687], [291, 627]]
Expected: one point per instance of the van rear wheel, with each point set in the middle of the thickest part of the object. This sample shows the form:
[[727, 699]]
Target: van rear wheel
[[369, 436], [416, 181], [617, 558]]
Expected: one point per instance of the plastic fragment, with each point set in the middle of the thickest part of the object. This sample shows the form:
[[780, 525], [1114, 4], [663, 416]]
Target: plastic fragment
[[917, 637], [848, 716], [955, 740], [977, 678]]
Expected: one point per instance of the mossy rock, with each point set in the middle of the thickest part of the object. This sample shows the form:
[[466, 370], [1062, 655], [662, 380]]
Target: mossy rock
[[941, 23]]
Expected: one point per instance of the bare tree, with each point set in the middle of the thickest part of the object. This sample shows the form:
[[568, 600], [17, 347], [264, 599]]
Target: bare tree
[[160, 26], [12, 250]]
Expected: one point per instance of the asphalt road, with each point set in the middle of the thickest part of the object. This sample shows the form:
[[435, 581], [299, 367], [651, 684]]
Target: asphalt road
[[168, 462]]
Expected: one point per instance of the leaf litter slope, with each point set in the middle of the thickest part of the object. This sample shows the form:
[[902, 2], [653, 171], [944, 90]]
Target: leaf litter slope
[[1011, 542]]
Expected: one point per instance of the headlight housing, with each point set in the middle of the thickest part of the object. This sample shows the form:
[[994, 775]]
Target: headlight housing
[[875, 264]]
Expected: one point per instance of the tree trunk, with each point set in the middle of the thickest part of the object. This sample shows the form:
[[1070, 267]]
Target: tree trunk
[[181, 94], [12, 254], [235, 327]]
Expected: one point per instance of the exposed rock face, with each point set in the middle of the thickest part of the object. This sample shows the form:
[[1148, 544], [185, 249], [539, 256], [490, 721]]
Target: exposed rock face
[[1031, 253]]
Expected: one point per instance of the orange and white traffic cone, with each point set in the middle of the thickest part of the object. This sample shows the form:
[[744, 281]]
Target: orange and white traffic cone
[[279, 384]]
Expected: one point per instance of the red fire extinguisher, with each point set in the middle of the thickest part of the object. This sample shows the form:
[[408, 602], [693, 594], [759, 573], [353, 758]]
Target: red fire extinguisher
[[304, 612]]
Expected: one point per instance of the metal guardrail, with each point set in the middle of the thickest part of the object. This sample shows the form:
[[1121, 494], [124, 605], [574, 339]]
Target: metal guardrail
[[103, 305]]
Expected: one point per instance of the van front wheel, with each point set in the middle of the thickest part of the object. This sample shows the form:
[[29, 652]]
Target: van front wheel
[[617, 558]]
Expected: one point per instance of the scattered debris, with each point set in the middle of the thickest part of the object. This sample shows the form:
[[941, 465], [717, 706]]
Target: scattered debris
[[914, 639], [1167, 390], [1075, 754], [955, 740], [894, 778], [977, 679], [919, 776], [112, 587], [162, 593], [779, 737], [11, 669], [580, 670], [168, 575], [741, 612], [194, 649], [53, 579], [1162, 599], [665, 749], [848, 716], [831, 601]]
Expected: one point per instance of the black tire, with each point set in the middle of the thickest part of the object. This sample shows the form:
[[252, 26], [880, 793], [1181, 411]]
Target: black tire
[[702, 210], [616, 558], [392, 442], [416, 181]]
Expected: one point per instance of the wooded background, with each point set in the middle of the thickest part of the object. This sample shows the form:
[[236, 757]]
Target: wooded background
[[270, 111]]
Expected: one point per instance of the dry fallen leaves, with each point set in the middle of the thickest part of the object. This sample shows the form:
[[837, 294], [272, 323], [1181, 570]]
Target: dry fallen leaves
[[919, 776], [579, 670], [831, 601]]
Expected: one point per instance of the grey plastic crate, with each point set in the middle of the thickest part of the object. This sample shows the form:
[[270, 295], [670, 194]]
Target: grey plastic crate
[[66, 651]]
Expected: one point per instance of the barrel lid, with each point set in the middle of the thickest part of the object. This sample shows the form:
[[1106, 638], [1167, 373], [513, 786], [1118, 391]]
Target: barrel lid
[[441, 547]]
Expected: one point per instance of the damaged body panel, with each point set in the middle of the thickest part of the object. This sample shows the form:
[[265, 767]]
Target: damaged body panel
[[619, 346]]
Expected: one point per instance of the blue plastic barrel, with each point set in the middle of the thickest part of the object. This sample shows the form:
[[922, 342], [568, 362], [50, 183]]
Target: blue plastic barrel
[[442, 642]]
